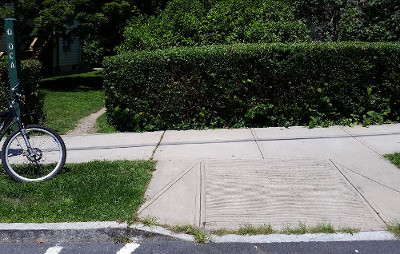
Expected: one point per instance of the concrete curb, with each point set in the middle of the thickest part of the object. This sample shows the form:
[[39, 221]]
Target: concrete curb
[[280, 238], [111, 231], [83, 232]]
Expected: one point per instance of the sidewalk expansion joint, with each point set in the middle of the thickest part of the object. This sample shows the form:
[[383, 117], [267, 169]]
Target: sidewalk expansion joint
[[360, 141], [166, 188], [158, 144], [258, 145], [202, 212], [366, 177], [359, 192]]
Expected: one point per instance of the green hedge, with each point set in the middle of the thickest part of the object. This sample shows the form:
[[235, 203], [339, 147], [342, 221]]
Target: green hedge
[[31, 72], [254, 85]]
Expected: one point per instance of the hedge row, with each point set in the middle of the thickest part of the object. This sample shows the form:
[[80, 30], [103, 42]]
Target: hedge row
[[31, 72], [254, 85]]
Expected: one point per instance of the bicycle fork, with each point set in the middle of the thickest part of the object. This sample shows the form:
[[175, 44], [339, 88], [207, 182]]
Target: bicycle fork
[[27, 143]]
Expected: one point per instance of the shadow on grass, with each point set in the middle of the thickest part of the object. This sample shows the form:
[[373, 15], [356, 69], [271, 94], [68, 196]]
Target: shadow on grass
[[78, 84]]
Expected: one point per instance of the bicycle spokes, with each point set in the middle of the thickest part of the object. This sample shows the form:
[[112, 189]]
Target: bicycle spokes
[[35, 155]]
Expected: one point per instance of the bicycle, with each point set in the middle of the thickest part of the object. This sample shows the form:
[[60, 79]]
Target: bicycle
[[29, 154]]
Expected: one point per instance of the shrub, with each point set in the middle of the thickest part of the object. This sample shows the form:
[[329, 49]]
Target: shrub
[[331, 20], [31, 72], [254, 85], [93, 52], [252, 21], [193, 23]]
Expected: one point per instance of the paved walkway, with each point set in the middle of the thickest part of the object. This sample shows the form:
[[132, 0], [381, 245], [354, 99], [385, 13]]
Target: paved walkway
[[278, 176]]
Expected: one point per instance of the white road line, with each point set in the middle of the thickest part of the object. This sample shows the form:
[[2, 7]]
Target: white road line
[[54, 250], [128, 248]]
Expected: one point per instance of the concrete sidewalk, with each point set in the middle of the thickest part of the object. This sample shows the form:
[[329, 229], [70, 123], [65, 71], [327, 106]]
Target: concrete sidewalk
[[278, 176]]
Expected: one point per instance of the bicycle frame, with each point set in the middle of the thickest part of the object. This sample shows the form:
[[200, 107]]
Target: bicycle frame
[[20, 160], [11, 118]]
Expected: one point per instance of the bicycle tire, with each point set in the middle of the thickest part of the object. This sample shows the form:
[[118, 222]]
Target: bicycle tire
[[49, 159]]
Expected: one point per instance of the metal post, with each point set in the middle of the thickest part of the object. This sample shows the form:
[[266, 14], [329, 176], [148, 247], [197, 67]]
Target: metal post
[[12, 55]]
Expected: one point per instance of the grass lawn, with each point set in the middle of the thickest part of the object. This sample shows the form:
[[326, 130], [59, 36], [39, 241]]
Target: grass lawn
[[103, 127], [94, 191], [73, 76], [394, 158], [65, 108], [70, 98]]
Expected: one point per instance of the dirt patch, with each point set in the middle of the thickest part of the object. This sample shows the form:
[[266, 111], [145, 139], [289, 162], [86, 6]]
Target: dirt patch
[[87, 124]]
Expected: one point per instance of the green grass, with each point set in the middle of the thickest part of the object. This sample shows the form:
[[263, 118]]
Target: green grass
[[395, 228], [199, 235], [246, 230], [103, 127], [90, 74], [303, 229], [349, 230], [149, 221], [300, 229], [64, 108], [251, 230], [94, 191], [70, 98], [394, 158]]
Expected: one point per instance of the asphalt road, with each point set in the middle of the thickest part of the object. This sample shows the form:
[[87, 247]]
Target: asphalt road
[[373, 247]]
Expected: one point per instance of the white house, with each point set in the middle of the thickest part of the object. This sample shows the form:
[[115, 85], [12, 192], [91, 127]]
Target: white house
[[66, 54], [59, 54]]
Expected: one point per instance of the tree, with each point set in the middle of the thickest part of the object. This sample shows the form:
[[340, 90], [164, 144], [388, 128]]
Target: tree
[[383, 22], [185, 23], [101, 25], [100, 22], [24, 11], [344, 20], [251, 21], [150, 7]]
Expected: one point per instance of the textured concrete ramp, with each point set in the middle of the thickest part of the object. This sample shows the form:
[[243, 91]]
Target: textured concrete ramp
[[281, 193]]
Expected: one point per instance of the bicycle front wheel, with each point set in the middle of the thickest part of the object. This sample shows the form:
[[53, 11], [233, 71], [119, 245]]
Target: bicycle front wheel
[[46, 159]]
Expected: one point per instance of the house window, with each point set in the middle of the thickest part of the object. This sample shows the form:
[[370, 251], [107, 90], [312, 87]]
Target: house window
[[66, 43]]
